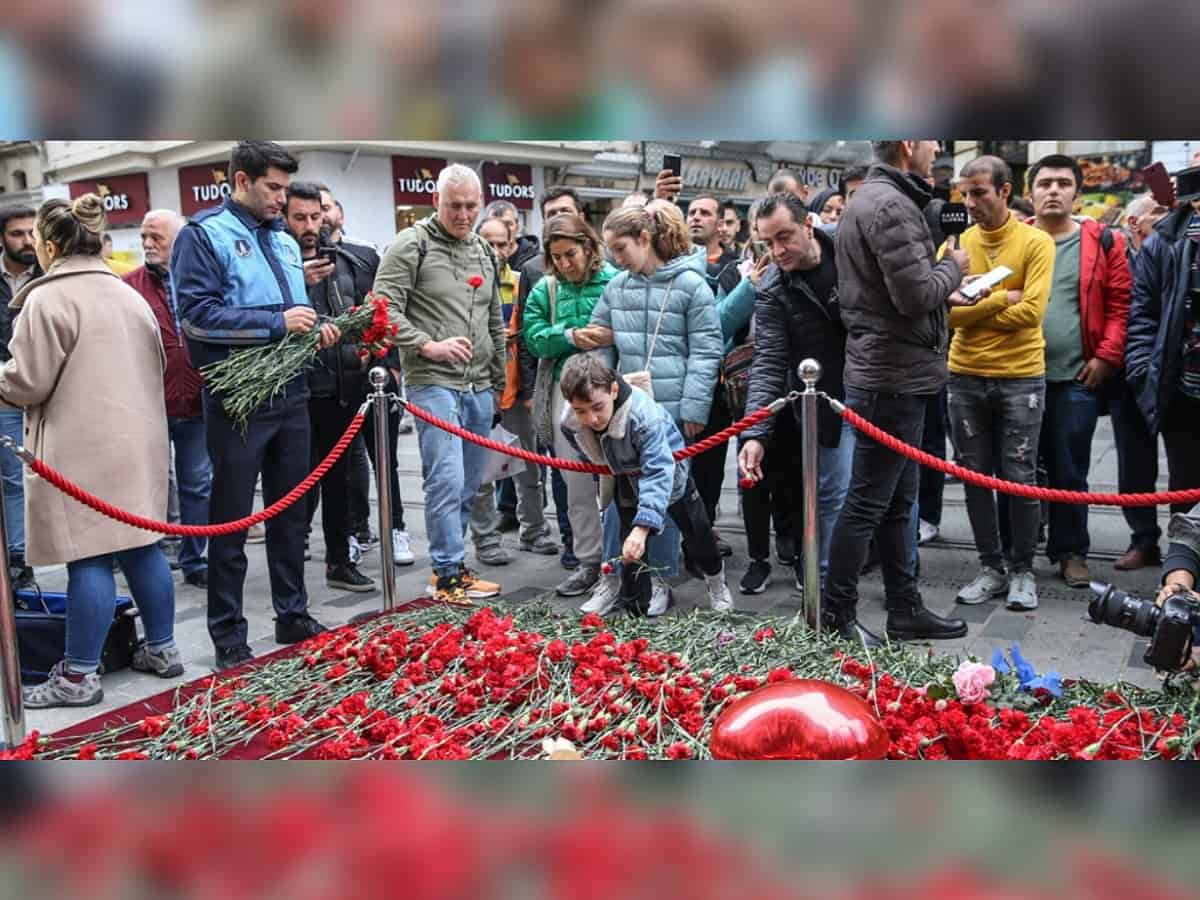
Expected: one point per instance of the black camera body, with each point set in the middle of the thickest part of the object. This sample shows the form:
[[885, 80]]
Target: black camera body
[[1169, 627]]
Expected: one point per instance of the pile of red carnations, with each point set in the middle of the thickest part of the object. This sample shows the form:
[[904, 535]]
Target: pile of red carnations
[[447, 683]]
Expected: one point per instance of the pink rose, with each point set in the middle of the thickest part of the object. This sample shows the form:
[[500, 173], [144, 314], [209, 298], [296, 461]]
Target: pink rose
[[971, 681]]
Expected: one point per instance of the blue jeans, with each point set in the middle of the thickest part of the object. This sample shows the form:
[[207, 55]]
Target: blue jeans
[[12, 424], [92, 602], [193, 478], [1067, 429], [450, 467], [834, 465], [662, 550]]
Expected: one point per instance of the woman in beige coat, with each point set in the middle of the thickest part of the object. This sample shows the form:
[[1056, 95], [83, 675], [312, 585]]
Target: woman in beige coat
[[87, 366]]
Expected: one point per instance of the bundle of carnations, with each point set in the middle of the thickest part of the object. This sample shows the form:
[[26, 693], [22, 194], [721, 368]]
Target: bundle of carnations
[[246, 379], [446, 683]]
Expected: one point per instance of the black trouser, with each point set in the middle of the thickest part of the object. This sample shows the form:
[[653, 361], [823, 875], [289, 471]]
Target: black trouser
[[1137, 462], [699, 542], [708, 469], [933, 483], [883, 488], [362, 449], [1181, 436], [359, 485], [329, 419], [778, 491], [275, 443]]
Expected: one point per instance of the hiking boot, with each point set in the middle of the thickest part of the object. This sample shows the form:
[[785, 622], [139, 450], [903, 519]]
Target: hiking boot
[[757, 577], [1022, 593], [165, 663], [294, 629], [494, 555], [60, 690], [478, 588], [402, 554], [229, 657], [605, 597], [347, 577], [719, 598], [579, 582], [1074, 571], [449, 589], [542, 546], [989, 584]]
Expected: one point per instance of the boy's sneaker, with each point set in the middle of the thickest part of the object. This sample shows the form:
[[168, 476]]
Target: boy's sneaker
[[348, 578], [605, 597], [1022, 593], [59, 690], [660, 596], [449, 589], [719, 598], [402, 554], [989, 584], [166, 663], [757, 577]]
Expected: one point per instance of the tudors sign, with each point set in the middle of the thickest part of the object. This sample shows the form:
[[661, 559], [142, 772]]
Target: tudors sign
[[508, 182], [126, 197], [414, 179], [201, 187]]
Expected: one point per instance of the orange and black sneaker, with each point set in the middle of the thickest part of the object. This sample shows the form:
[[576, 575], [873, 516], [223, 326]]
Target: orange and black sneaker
[[478, 588], [448, 589]]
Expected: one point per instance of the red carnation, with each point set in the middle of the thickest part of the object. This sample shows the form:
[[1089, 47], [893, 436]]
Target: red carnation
[[679, 750], [475, 281], [746, 483], [606, 569]]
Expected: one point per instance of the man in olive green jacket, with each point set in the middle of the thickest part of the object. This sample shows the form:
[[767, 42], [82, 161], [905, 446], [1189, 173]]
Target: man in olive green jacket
[[441, 281]]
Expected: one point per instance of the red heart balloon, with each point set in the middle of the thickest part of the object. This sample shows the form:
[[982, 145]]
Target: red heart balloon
[[799, 719]]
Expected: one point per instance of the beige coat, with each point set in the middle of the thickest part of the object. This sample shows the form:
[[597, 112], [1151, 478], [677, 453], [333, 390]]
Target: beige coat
[[87, 367]]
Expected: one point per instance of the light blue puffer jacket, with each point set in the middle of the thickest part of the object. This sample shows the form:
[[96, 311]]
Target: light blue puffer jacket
[[687, 356]]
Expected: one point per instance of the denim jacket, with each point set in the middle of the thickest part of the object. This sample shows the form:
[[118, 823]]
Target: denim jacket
[[638, 446]]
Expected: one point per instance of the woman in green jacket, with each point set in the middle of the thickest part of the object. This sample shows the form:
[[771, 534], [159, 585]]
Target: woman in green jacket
[[561, 302]]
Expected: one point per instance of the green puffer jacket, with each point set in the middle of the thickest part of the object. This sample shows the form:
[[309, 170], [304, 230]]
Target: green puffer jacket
[[573, 307], [439, 303]]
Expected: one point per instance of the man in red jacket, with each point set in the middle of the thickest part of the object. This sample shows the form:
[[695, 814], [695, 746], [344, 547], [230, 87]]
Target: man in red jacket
[[1084, 329], [181, 385]]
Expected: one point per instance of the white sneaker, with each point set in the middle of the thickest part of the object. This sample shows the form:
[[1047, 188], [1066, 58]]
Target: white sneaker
[[402, 554], [988, 585], [604, 596], [1022, 593], [719, 598], [355, 551], [660, 596], [926, 532]]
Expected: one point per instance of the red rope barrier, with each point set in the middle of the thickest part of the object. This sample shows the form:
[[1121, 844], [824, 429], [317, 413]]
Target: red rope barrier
[[1034, 492], [107, 509], [574, 465]]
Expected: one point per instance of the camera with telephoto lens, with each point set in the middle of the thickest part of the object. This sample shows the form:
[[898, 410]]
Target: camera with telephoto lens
[[1169, 627]]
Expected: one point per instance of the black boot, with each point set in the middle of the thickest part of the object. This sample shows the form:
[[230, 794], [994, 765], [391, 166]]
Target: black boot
[[851, 630], [919, 623]]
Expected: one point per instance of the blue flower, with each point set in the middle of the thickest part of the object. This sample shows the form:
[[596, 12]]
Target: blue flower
[[999, 663], [1026, 674]]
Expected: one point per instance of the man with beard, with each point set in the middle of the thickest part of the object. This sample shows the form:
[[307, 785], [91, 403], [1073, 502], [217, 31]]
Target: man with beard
[[182, 385], [18, 268]]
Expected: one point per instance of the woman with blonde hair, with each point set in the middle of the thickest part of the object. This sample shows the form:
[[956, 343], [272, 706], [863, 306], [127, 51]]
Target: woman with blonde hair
[[87, 368], [556, 314]]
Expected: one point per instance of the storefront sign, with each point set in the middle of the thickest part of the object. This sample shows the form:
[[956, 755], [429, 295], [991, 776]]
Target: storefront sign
[[712, 175], [201, 187], [414, 179], [508, 182], [817, 178], [126, 197]]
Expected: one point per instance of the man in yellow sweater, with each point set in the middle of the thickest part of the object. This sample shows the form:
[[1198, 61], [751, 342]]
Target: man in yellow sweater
[[997, 379]]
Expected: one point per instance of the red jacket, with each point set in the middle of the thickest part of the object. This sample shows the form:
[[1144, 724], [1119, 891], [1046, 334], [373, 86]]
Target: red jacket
[[181, 382], [1105, 284]]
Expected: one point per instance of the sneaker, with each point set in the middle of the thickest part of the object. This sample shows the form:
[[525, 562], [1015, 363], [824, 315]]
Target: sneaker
[[228, 657], [294, 629], [59, 690], [356, 552], [166, 663], [1074, 571], [256, 534], [785, 549], [366, 540], [660, 596], [1022, 593], [926, 532], [449, 589], [477, 588], [605, 597], [495, 555], [568, 559], [347, 577], [402, 554], [989, 584], [542, 546], [719, 598], [579, 582], [757, 577]]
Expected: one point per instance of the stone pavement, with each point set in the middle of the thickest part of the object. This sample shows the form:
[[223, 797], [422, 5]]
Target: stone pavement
[[1056, 636]]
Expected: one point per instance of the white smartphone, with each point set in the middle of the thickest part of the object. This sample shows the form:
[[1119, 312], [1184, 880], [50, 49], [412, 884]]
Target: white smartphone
[[986, 282]]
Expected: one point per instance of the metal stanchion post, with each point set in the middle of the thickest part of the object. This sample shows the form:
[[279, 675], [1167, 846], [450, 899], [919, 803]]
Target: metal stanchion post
[[381, 404], [10, 660], [810, 374]]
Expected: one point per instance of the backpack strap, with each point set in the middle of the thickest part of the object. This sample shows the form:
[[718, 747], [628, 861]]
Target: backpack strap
[[1106, 239]]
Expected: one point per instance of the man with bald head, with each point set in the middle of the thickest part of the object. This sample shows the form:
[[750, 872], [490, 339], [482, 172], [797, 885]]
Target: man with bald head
[[181, 386]]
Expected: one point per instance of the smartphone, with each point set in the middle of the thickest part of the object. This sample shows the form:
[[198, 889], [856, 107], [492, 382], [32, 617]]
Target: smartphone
[[990, 280], [758, 249], [1160, 185], [673, 162], [327, 254]]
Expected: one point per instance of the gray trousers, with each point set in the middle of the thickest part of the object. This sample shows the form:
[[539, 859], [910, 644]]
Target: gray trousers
[[530, 506]]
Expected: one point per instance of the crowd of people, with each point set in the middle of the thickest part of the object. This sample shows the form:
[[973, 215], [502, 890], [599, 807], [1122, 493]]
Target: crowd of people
[[617, 345]]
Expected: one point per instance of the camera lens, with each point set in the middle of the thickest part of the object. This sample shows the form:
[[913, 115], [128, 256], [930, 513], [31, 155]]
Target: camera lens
[[1118, 609]]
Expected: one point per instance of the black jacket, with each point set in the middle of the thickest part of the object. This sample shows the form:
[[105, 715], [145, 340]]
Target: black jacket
[[892, 288], [792, 324], [723, 275], [531, 273], [8, 316], [528, 247]]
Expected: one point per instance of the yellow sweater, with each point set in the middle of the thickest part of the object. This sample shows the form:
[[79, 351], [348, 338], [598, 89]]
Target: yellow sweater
[[991, 338]]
